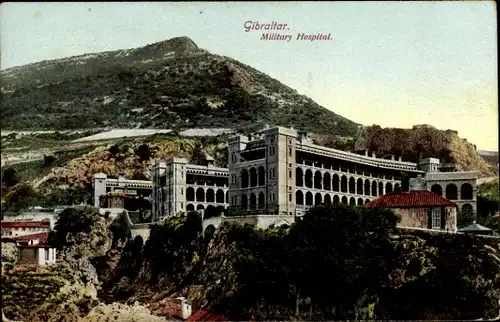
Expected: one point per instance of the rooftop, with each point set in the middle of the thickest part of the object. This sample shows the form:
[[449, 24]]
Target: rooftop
[[474, 227], [415, 198], [204, 315], [25, 224]]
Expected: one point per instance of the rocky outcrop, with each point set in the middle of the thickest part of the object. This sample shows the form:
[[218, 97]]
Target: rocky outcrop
[[423, 141], [121, 312], [113, 162]]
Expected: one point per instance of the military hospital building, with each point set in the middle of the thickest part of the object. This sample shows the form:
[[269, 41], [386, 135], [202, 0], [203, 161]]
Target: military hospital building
[[280, 171]]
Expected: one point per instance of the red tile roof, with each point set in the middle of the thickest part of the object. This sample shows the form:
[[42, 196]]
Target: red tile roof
[[25, 224], [204, 315], [415, 198], [43, 238]]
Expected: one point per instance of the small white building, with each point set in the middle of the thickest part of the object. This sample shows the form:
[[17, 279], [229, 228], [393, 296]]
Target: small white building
[[34, 250], [24, 228]]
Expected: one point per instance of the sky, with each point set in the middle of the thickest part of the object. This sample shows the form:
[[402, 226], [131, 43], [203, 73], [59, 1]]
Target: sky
[[395, 64]]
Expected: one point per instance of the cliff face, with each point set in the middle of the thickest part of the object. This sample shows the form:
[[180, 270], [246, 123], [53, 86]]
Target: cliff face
[[426, 141]]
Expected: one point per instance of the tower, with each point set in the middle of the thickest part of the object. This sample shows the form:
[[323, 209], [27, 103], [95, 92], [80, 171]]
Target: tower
[[429, 165], [169, 187], [281, 166], [236, 144], [98, 187]]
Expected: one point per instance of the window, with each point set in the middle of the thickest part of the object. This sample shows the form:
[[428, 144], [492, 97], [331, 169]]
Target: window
[[182, 205], [289, 197], [290, 174], [182, 191], [290, 151], [436, 218], [46, 254]]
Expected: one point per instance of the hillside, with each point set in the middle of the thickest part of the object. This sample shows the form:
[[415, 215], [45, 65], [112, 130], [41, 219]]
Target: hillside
[[490, 156], [169, 84], [426, 141]]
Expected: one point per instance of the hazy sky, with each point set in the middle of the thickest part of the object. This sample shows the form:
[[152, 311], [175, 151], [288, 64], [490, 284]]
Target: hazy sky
[[394, 64]]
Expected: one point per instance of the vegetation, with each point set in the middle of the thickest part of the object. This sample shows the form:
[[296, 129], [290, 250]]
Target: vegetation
[[337, 263]]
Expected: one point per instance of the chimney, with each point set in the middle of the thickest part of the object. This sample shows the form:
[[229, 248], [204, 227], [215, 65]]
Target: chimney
[[392, 157], [366, 152], [400, 158], [374, 155]]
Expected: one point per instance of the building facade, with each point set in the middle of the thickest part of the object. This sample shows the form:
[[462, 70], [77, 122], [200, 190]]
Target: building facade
[[23, 228], [101, 185], [280, 171], [180, 187], [35, 250], [457, 186], [420, 208]]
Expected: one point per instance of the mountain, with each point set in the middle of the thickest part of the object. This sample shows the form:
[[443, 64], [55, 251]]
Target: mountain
[[424, 141], [169, 84]]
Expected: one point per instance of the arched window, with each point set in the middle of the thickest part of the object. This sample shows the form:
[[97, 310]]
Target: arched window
[[200, 195], [253, 177], [359, 186], [327, 181], [299, 197], [317, 180], [335, 183], [451, 192], [244, 178], [352, 186], [437, 189], [309, 179], [262, 200], [318, 199], [190, 194], [466, 191], [210, 195], [374, 188], [309, 198], [467, 209], [367, 187], [219, 197], [343, 184]]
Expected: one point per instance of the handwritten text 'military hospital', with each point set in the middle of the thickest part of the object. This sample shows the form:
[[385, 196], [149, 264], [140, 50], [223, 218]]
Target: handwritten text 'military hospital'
[[256, 26]]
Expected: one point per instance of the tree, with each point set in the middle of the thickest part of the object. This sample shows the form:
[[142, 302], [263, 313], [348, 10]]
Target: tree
[[48, 160], [143, 152], [343, 253], [23, 197], [114, 149], [465, 218], [72, 221], [10, 177]]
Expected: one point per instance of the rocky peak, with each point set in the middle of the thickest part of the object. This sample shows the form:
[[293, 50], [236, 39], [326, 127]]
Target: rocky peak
[[177, 45]]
